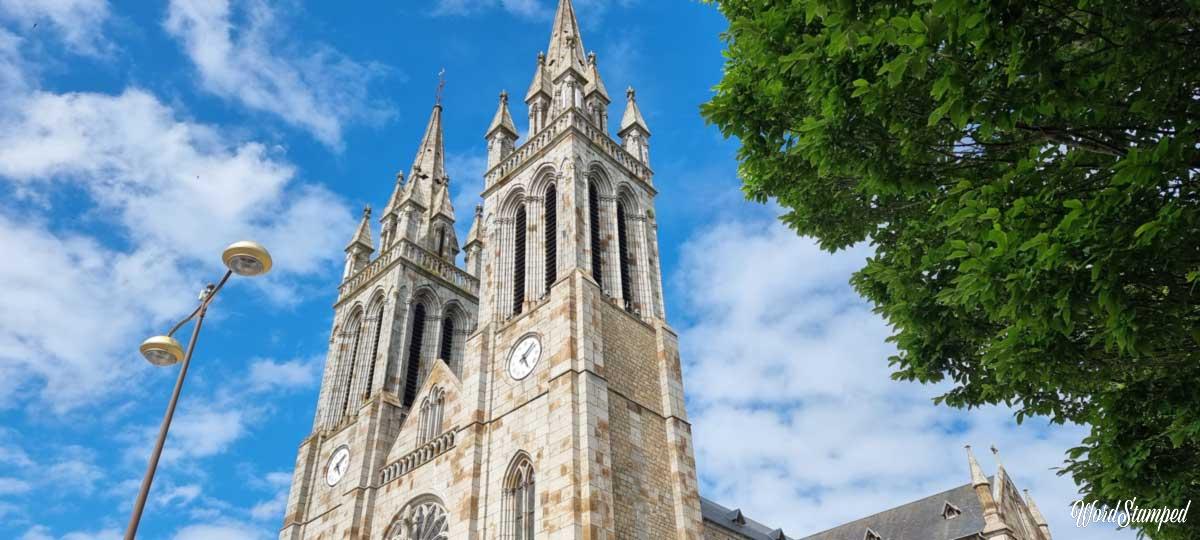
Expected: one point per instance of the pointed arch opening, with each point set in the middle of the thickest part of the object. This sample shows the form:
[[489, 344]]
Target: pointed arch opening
[[594, 233], [375, 323], [623, 256], [550, 220], [519, 226], [520, 500], [354, 333], [416, 341]]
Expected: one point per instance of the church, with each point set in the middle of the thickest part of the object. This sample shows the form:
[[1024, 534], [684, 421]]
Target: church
[[536, 392]]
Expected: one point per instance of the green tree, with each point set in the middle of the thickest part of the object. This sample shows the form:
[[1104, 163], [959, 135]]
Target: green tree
[[1027, 173]]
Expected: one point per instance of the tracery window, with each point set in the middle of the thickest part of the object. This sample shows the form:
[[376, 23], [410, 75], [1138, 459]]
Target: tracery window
[[520, 500], [432, 409], [551, 235], [519, 260], [423, 521], [415, 342], [594, 236]]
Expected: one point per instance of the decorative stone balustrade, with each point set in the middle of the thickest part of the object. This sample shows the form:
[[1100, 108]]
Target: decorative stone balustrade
[[417, 255], [422, 455], [570, 119]]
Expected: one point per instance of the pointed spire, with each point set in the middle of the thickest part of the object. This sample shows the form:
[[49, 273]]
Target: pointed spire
[[566, 43], [977, 476], [362, 237], [503, 120], [594, 85], [1038, 518], [394, 201], [633, 115], [473, 234], [441, 203], [541, 81], [1001, 479], [431, 155]]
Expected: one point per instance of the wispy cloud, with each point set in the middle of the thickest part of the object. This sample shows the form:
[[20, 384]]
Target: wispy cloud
[[248, 60], [79, 23]]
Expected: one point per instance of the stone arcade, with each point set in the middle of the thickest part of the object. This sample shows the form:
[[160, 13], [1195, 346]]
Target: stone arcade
[[536, 393]]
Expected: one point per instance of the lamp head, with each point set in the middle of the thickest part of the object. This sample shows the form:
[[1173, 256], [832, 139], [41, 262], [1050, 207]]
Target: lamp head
[[247, 258], [162, 350]]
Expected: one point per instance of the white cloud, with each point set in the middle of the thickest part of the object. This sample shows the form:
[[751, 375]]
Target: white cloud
[[171, 192], [787, 355], [79, 23], [10, 486], [524, 8], [178, 495], [250, 62], [230, 530], [41, 532], [267, 374]]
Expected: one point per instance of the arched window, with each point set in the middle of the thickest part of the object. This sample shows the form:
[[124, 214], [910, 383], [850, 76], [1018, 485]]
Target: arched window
[[441, 244], [354, 332], [519, 261], [426, 520], [623, 256], [376, 318], [446, 348], [551, 236], [520, 500], [594, 219], [432, 407], [415, 341]]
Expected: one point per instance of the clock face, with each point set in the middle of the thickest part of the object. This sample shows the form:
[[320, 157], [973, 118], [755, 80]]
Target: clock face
[[524, 357], [339, 463]]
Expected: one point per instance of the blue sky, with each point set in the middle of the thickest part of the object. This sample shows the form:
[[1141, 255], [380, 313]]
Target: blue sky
[[138, 138]]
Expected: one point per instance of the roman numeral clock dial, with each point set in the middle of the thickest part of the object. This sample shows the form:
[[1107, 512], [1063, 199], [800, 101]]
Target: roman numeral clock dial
[[524, 357]]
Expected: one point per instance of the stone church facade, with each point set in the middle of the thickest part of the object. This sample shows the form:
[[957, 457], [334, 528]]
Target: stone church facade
[[537, 392]]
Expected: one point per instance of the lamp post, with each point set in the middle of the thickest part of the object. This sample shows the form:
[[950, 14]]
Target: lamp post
[[241, 258]]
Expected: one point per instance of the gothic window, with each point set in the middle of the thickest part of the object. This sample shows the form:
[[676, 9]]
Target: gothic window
[[623, 256], [423, 521], [551, 236], [871, 535], [376, 318], [520, 500], [594, 219], [949, 511], [354, 332], [432, 408], [415, 341], [446, 348], [441, 244], [519, 261]]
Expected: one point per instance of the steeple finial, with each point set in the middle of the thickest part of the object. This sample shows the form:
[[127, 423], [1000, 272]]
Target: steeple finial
[[441, 86]]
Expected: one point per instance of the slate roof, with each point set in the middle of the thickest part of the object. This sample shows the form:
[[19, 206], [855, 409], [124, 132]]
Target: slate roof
[[918, 520], [724, 517]]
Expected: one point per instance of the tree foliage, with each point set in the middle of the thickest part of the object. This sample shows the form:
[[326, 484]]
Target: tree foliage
[[1027, 173]]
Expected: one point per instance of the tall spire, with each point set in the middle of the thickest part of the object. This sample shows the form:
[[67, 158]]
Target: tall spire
[[566, 43], [431, 155], [977, 476]]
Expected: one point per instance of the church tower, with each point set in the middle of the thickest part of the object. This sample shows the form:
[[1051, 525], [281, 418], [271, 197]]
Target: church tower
[[535, 394]]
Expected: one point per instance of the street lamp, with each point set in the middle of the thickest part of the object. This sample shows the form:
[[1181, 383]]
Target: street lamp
[[242, 258]]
